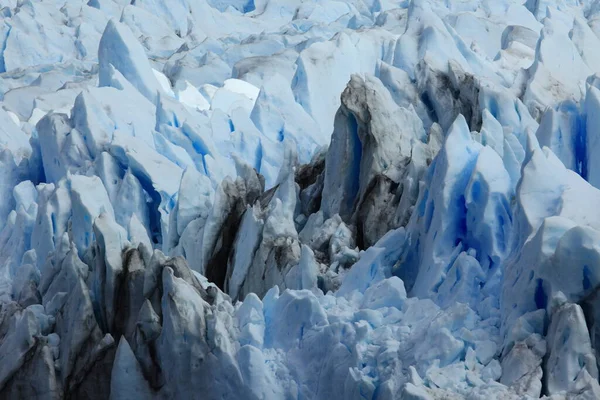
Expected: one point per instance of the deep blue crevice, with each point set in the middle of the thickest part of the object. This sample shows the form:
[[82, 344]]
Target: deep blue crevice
[[501, 231], [580, 138], [204, 166], [429, 107], [476, 192], [153, 207], [587, 284], [541, 298], [462, 223], [53, 221], [493, 107], [248, 7], [2, 49]]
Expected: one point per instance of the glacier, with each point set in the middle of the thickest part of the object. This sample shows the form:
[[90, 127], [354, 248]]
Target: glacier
[[298, 199]]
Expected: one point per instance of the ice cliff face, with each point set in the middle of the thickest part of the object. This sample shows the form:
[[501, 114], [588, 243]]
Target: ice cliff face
[[230, 199]]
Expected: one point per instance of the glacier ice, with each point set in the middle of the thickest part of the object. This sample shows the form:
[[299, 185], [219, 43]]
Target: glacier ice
[[257, 199]]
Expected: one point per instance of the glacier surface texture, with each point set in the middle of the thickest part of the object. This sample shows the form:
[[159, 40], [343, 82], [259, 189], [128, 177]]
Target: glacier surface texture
[[300, 199]]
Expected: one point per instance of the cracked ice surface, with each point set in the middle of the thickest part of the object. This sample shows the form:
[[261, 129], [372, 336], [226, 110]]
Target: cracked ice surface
[[261, 199]]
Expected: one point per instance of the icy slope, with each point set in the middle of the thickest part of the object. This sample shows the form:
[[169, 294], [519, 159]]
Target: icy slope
[[238, 199]]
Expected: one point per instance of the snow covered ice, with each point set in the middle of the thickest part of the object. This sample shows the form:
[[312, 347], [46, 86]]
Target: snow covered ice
[[297, 199]]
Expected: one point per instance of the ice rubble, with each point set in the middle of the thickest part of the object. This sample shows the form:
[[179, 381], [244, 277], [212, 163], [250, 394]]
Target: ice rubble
[[174, 224]]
